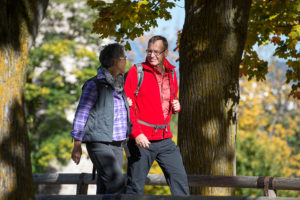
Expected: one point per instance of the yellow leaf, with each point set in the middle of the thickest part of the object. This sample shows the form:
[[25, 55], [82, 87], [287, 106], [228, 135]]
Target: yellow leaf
[[144, 2]]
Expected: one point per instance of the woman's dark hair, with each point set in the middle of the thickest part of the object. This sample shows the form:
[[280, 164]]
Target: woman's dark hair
[[109, 53], [159, 37]]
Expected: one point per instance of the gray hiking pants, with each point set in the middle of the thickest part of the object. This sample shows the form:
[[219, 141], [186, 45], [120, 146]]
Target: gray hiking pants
[[107, 157], [167, 155]]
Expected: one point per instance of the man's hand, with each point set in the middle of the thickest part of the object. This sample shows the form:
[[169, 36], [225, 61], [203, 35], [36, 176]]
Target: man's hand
[[142, 141], [176, 105], [129, 102], [77, 151]]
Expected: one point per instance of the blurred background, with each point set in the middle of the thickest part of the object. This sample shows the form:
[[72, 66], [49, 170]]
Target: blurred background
[[65, 55]]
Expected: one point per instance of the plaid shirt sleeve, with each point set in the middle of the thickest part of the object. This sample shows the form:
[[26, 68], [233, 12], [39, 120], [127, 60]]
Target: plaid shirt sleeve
[[87, 100]]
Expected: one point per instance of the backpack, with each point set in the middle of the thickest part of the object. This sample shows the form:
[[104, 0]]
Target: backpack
[[140, 75]]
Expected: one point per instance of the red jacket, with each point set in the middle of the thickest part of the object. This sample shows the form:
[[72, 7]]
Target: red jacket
[[147, 105]]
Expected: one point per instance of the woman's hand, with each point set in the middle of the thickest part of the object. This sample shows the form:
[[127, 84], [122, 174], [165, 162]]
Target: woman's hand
[[77, 151], [129, 101]]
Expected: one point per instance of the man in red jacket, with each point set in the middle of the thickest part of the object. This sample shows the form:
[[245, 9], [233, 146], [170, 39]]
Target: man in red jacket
[[150, 114]]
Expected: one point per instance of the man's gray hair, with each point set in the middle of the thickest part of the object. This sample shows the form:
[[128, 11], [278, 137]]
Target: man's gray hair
[[109, 53], [159, 37]]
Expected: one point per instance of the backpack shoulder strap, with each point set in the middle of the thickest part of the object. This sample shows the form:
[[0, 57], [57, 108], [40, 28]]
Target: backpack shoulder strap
[[172, 73], [96, 82], [140, 76], [91, 79]]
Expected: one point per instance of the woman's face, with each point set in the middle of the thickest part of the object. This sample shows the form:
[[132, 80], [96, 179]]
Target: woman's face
[[120, 64]]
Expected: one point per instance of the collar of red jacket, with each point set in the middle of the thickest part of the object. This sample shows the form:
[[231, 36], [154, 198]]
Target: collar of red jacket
[[167, 64]]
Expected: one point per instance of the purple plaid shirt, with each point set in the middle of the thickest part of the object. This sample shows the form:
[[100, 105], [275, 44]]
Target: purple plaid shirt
[[88, 99]]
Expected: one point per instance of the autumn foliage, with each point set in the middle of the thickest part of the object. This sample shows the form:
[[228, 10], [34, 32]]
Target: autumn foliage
[[268, 131]]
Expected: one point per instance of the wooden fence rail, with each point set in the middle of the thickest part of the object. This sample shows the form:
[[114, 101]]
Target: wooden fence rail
[[269, 184], [152, 197]]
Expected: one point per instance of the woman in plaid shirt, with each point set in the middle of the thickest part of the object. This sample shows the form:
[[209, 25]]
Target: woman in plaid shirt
[[102, 120]]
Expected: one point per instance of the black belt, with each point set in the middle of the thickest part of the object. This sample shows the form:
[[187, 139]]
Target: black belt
[[156, 126], [116, 143]]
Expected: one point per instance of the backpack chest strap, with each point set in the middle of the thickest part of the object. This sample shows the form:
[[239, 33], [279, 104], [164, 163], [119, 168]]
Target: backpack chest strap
[[156, 126]]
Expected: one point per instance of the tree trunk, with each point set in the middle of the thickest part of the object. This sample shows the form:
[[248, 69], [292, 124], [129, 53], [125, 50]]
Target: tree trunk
[[19, 20], [211, 47]]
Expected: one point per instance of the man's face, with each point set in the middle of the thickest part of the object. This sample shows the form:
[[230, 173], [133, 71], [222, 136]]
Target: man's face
[[156, 53]]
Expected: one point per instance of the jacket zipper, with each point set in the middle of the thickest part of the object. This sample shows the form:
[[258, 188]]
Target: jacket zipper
[[164, 131]]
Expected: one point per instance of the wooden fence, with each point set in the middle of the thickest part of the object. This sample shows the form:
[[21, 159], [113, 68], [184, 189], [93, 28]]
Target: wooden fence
[[268, 184], [151, 197]]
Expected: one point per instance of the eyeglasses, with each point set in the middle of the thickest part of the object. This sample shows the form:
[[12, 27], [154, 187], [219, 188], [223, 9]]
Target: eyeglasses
[[123, 58], [156, 53]]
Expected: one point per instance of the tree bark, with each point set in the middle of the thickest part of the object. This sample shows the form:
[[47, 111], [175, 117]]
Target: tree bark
[[211, 48], [19, 21]]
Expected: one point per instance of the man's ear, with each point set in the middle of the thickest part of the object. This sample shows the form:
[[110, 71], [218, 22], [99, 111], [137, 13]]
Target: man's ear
[[166, 52]]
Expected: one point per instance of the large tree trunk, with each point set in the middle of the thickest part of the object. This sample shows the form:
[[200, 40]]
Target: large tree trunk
[[19, 20], [211, 47]]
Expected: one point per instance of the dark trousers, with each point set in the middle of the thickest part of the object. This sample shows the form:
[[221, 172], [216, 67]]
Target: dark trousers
[[167, 155], [108, 160]]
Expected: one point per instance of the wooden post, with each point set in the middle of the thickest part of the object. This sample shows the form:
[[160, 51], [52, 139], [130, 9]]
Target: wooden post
[[82, 187], [268, 187], [267, 183]]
